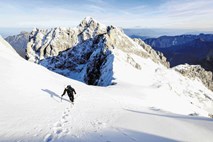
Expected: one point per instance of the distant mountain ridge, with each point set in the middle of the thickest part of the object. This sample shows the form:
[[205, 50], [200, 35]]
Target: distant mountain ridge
[[145, 33], [168, 41], [19, 42], [191, 49]]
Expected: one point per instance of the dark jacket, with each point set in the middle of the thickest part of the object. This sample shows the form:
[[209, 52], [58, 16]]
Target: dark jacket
[[70, 92]]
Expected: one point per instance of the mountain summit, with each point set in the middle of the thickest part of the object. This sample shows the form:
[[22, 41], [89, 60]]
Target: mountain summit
[[89, 22], [86, 53]]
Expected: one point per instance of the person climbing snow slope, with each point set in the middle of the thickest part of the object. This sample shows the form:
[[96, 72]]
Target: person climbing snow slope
[[70, 92]]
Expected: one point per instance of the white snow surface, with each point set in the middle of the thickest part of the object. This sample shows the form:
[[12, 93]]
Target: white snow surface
[[151, 104]]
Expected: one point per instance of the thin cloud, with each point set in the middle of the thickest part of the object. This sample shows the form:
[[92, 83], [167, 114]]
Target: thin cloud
[[187, 8], [164, 14], [99, 2], [94, 8]]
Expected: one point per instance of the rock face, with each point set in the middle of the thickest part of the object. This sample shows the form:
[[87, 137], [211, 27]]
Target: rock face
[[91, 65], [85, 53], [191, 49], [48, 43], [156, 56], [196, 71], [19, 42]]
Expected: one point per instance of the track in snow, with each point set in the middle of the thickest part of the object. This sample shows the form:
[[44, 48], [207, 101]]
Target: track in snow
[[58, 130]]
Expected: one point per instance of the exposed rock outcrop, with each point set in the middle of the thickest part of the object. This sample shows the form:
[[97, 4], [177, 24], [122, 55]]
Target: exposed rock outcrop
[[156, 56], [196, 71], [48, 43]]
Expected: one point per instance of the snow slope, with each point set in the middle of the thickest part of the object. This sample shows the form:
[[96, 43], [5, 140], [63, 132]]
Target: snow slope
[[143, 105]]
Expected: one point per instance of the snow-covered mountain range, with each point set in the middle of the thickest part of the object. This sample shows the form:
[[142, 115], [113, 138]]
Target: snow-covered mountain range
[[143, 99], [153, 103], [86, 53]]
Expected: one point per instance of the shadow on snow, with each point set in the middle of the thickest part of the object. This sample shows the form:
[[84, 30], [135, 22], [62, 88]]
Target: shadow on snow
[[54, 95], [172, 115]]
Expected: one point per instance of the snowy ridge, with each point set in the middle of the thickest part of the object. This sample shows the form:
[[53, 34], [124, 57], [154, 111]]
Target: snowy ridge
[[156, 56], [196, 72], [140, 107]]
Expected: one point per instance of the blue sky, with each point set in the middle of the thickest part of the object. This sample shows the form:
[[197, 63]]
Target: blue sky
[[184, 14]]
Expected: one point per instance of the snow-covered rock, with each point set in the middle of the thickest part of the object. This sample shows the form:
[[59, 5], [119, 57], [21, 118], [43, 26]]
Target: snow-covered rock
[[48, 43], [156, 56], [196, 72], [85, 53], [19, 42]]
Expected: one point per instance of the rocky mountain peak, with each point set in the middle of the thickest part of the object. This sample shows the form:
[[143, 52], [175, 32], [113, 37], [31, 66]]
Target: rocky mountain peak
[[85, 53], [91, 26], [88, 20]]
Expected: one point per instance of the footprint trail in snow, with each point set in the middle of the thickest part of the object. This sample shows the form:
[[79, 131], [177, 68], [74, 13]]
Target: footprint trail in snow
[[58, 129]]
